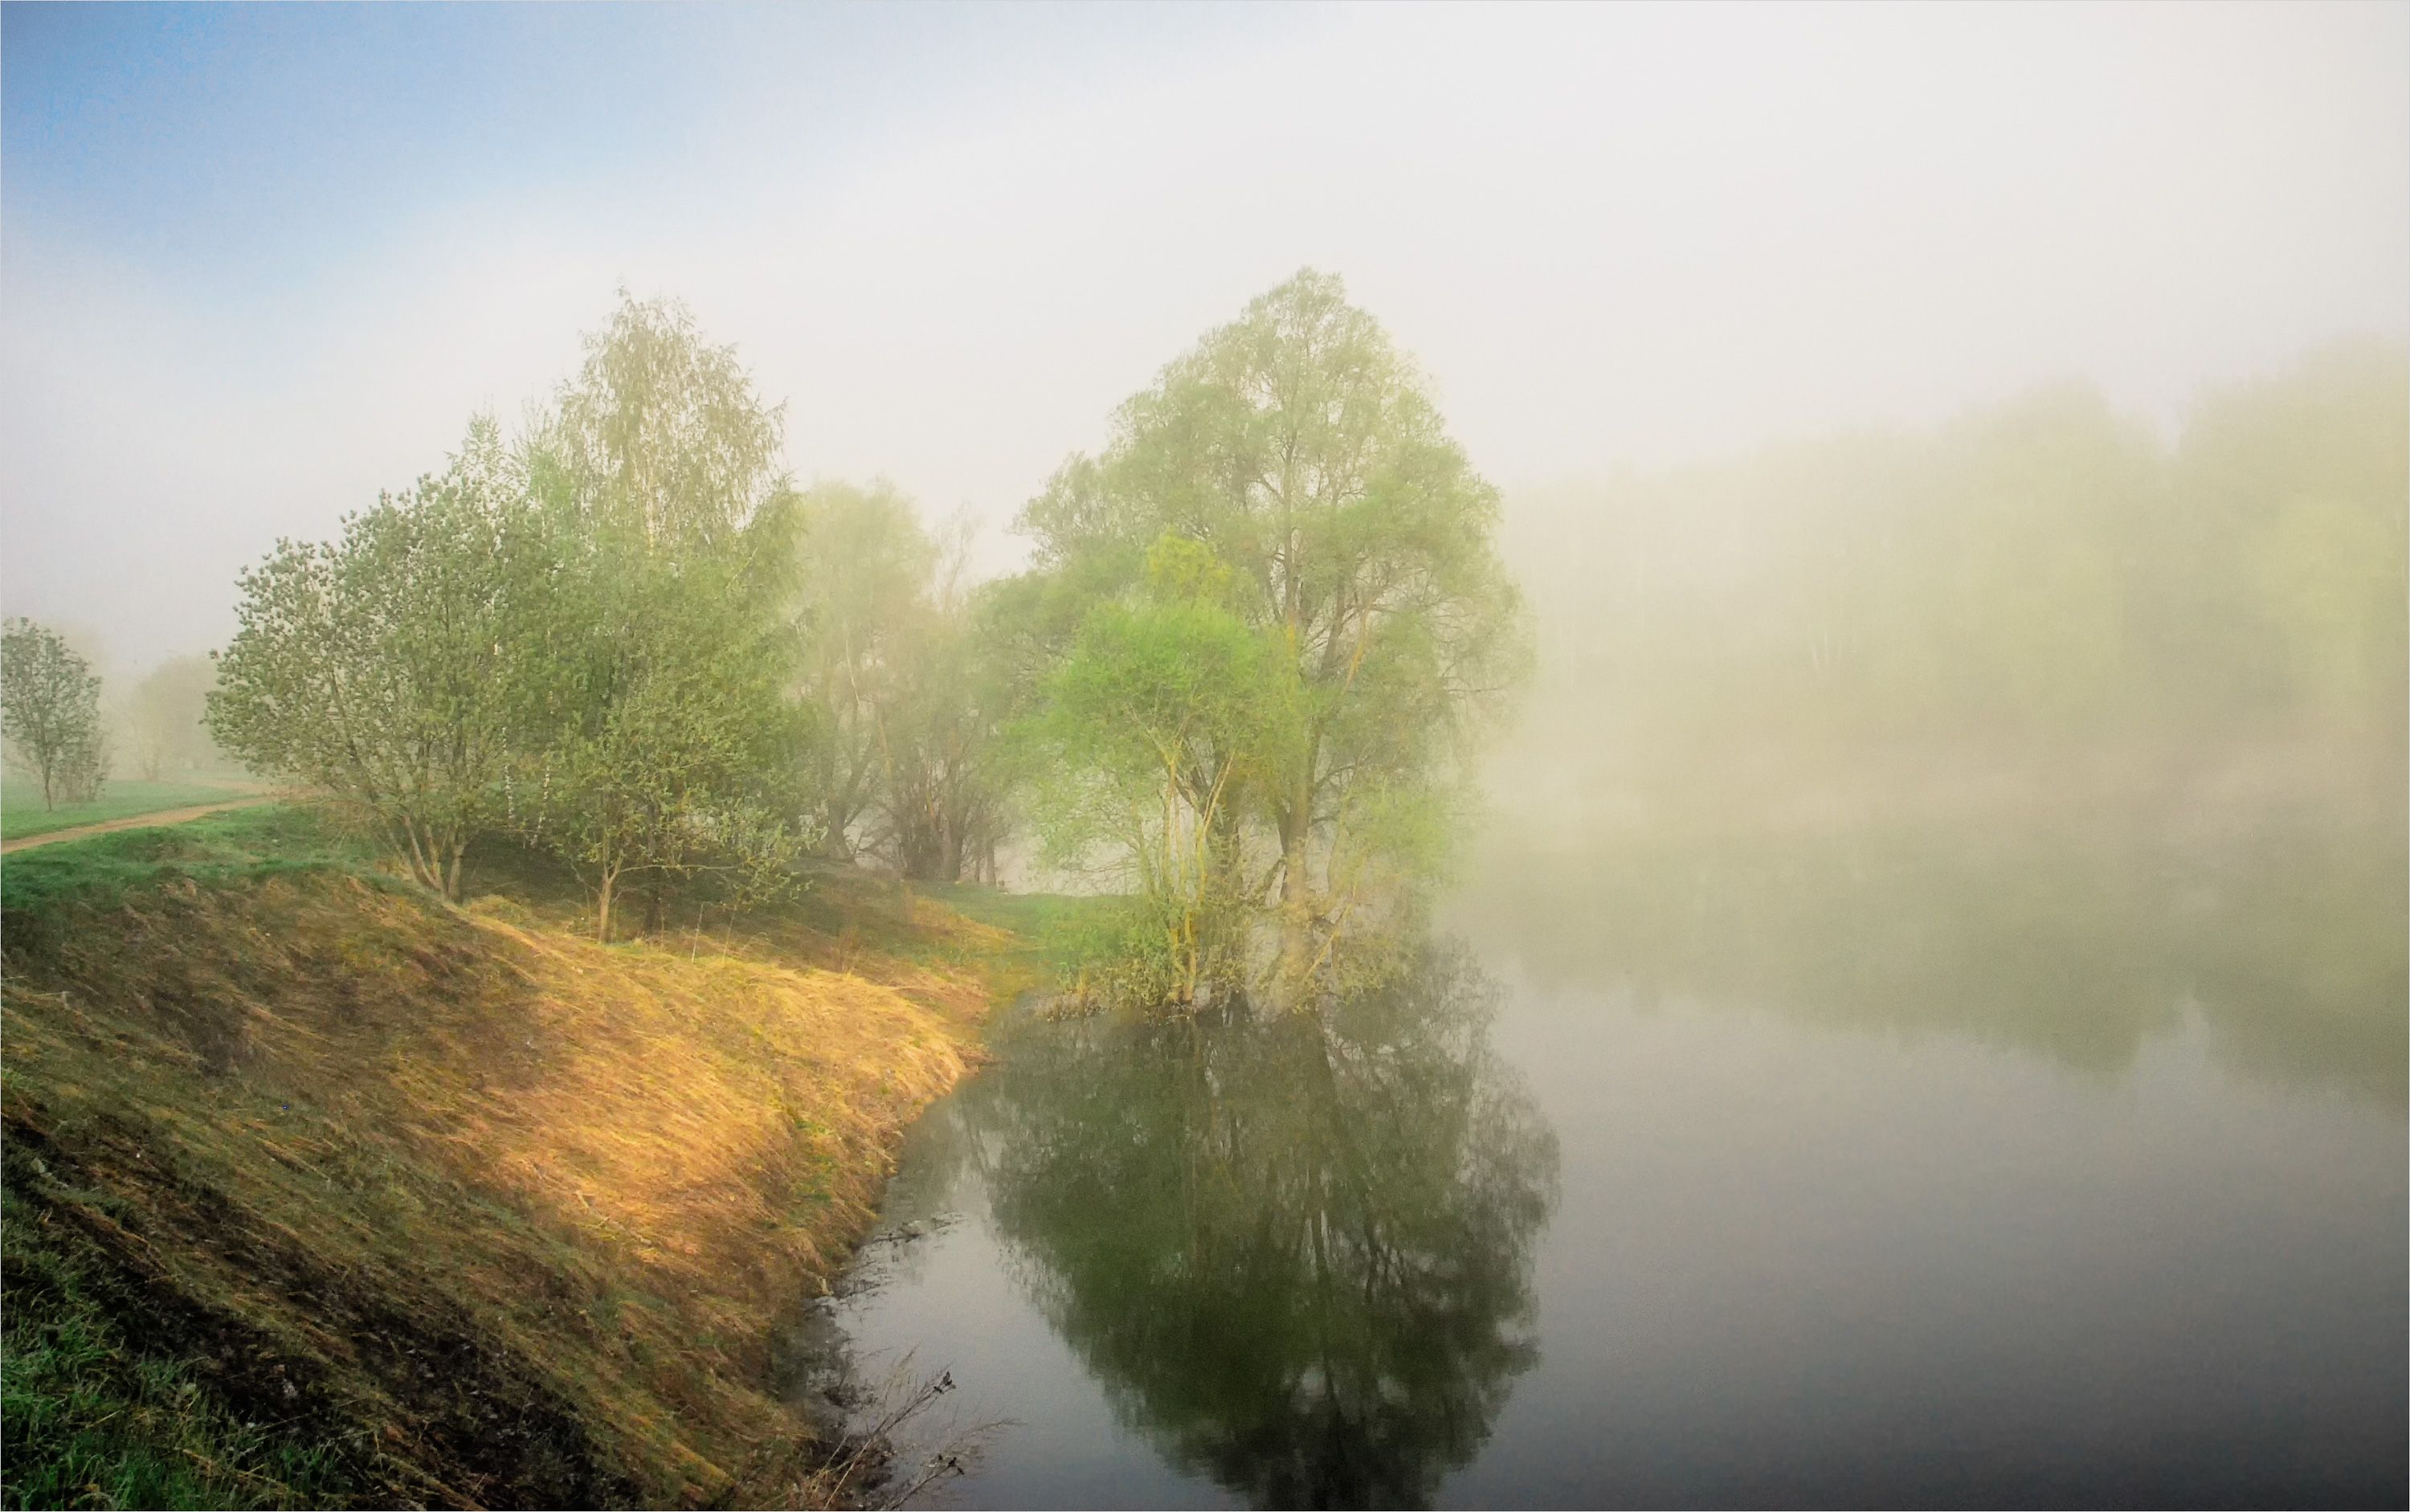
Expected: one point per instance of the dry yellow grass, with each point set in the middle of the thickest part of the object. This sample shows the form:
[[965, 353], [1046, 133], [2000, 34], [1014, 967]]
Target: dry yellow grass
[[479, 1181]]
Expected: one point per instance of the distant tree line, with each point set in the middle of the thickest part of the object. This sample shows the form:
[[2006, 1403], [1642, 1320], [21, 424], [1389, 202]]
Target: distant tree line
[[2040, 573]]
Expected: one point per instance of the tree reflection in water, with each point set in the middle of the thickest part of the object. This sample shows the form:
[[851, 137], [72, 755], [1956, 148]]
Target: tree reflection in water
[[1296, 1249]]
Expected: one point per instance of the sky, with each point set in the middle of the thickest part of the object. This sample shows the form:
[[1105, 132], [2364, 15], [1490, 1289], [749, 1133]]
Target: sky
[[257, 264]]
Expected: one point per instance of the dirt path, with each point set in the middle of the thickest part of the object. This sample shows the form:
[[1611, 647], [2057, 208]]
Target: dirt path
[[137, 821]]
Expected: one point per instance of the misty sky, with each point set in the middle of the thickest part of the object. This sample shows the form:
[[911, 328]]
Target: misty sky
[[256, 264]]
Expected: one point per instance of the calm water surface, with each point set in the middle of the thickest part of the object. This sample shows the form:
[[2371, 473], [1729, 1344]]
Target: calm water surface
[[2049, 1168]]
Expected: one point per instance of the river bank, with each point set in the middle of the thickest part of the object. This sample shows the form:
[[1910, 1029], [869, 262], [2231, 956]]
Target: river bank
[[320, 1192]]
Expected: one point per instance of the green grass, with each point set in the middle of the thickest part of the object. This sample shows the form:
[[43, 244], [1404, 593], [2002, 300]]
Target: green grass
[[92, 1418], [22, 813], [1035, 917], [101, 868], [1056, 932], [243, 1059]]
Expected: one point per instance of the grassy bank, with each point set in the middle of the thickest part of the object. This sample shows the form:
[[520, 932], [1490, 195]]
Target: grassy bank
[[321, 1192]]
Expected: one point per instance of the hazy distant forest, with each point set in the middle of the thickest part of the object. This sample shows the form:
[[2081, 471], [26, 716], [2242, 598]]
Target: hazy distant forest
[[2033, 583], [1247, 679]]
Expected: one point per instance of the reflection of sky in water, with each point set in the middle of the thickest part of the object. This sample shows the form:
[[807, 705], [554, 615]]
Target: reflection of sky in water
[[1862, 1256]]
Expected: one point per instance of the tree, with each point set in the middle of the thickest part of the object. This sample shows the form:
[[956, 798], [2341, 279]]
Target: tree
[[944, 736], [661, 742], [2295, 520], [656, 729], [1160, 727], [1301, 449], [660, 436], [163, 716], [379, 668], [50, 698], [866, 566]]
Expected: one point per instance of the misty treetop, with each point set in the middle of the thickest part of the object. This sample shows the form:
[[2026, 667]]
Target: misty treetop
[[904, 686]]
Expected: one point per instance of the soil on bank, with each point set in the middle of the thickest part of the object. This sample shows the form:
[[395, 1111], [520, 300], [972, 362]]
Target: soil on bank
[[321, 1192]]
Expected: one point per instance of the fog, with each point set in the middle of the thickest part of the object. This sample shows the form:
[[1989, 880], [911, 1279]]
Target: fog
[[257, 266], [1636, 755]]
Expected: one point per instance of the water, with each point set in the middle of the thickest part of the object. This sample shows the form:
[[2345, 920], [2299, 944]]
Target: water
[[2065, 1166]]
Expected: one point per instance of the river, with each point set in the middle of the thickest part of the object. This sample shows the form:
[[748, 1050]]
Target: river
[[2047, 1165]]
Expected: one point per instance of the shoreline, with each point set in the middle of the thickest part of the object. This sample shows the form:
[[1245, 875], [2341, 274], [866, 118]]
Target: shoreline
[[436, 1204]]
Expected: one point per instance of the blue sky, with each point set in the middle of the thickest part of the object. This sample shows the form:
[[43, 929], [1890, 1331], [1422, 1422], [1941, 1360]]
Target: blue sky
[[249, 145], [258, 261]]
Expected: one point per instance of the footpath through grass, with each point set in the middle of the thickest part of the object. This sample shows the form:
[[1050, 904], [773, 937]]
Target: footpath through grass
[[321, 1192], [22, 814]]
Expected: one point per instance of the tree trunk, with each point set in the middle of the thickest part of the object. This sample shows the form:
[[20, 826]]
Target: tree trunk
[[1222, 855], [1289, 989], [602, 908], [425, 869]]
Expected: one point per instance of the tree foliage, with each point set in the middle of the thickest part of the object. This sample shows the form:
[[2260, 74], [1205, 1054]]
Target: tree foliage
[[906, 760], [163, 715], [380, 667], [584, 640], [865, 569], [659, 738], [947, 775], [49, 712], [662, 437], [655, 725], [1302, 453], [1160, 728]]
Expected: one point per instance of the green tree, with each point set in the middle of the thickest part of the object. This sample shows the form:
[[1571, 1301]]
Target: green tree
[[866, 566], [381, 668], [49, 700], [659, 742], [656, 729], [1160, 727], [163, 716], [1304, 451], [662, 438], [2292, 520]]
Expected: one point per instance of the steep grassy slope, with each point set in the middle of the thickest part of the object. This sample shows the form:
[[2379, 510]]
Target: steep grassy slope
[[319, 1191]]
